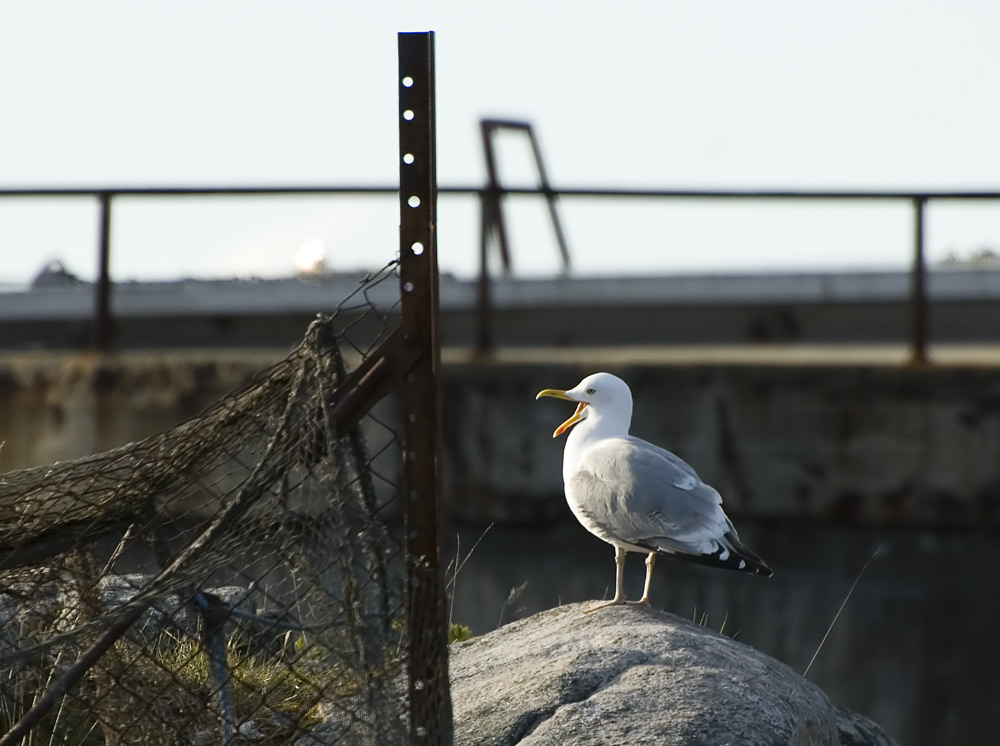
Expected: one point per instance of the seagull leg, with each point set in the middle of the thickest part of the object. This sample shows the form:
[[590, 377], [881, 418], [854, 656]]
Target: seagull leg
[[650, 560], [619, 598]]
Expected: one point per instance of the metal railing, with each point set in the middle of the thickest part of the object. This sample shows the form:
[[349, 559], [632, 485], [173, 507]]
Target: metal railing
[[918, 338], [491, 196]]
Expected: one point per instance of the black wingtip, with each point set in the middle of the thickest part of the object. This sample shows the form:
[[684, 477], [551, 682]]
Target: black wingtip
[[747, 560], [732, 554], [764, 571], [739, 562]]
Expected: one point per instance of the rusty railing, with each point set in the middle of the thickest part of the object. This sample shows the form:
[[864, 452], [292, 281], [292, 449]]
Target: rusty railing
[[491, 197]]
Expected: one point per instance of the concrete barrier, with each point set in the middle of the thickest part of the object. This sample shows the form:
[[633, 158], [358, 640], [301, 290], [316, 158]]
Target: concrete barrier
[[817, 307], [867, 442]]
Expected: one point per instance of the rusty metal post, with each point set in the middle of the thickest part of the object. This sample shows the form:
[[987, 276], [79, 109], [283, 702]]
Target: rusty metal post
[[426, 620], [101, 322], [918, 288]]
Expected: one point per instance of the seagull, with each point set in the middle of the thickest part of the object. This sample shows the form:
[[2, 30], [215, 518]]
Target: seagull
[[636, 496]]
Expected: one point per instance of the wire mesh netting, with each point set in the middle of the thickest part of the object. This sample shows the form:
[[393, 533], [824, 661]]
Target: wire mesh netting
[[255, 546]]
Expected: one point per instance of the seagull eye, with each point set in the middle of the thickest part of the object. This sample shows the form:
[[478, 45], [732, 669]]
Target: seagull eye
[[591, 391]]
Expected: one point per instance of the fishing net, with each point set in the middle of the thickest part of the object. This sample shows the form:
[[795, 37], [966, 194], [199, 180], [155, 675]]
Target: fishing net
[[257, 548]]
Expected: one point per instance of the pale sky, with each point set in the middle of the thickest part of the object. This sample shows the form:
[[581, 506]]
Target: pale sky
[[731, 94]]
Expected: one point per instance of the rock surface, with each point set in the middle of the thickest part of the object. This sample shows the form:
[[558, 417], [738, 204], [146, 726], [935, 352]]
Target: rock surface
[[628, 674]]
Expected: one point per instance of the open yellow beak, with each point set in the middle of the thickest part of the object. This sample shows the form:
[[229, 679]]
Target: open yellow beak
[[577, 415]]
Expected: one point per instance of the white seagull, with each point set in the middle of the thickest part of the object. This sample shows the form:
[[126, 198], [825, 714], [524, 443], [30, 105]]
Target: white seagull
[[638, 496]]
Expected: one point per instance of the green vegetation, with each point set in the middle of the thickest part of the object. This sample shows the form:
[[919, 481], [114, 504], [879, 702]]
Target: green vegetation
[[458, 633]]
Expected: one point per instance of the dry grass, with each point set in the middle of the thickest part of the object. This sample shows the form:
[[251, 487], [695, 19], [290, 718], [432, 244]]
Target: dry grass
[[166, 693]]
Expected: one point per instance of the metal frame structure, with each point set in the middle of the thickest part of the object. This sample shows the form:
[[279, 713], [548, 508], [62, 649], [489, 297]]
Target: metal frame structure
[[492, 205], [492, 220], [918, 338]]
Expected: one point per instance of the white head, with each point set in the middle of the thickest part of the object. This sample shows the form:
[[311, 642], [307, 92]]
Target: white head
[[604, 402]]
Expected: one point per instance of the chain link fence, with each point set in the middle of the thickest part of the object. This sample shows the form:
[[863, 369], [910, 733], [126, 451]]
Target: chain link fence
[[238, 578]]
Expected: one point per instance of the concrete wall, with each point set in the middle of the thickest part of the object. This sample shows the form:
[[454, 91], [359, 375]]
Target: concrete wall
[[867, 443], [55, 407], [877, 444]]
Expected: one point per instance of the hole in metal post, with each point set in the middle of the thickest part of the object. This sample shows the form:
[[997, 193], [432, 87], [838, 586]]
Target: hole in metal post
[[413, 201], [408, 115], [407, 287], [417, 248], [408, 159], [407, 82]]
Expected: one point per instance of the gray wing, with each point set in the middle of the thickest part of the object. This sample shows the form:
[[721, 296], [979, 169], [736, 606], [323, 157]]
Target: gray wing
[[682, 465], [637, 493]]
